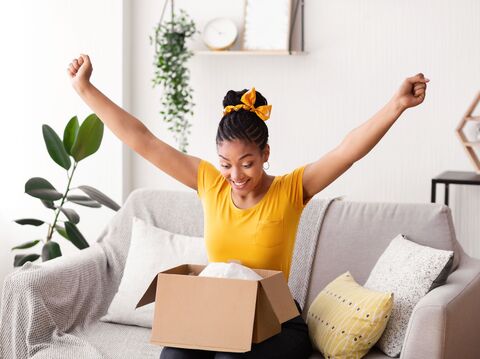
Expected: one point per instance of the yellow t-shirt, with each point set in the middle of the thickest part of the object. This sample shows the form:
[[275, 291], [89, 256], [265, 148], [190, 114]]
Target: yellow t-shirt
[[262, 236]]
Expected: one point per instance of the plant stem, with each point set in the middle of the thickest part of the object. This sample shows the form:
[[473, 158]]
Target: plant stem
[[173, 15], [163, 13], [50, 233]]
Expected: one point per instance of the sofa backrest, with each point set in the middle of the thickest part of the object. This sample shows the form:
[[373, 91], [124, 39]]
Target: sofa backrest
[[175, 211], [354, 235]]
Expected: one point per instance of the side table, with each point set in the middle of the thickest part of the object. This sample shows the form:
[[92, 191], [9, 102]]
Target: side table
[[453, 177]]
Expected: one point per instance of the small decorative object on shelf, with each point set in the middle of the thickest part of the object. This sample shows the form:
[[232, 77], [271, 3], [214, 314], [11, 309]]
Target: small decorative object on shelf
[[468, 143], [262, 34], [220, 34]]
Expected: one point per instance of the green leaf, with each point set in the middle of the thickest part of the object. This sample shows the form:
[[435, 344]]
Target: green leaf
[[21, 259], [55, 147], [27, 244], [70, 214], [40, 188], [88, 139], [61, 231], [50, 250], [30, 221], [84, 201], [75, 236], [48, 204], [70, 134], [101, 198]]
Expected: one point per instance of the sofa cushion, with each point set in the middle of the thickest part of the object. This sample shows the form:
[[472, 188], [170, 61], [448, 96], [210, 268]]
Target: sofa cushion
[[152, 250], [409, 270], [354, 235], [346, 320], [116, 341]]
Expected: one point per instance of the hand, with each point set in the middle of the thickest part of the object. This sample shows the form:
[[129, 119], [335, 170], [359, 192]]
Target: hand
[[80, 70], [412, 92]]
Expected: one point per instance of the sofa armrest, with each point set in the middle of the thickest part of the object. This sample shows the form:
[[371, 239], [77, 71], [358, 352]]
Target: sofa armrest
[[40, 301], [446, 322]]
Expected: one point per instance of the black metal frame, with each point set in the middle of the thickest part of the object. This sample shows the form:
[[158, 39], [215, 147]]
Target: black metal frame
[[453, 177]]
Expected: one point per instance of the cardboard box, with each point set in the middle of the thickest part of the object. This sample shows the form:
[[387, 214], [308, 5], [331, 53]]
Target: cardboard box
[[216, 313]]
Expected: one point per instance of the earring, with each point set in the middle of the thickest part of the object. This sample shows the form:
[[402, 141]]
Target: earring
[[268, 166]]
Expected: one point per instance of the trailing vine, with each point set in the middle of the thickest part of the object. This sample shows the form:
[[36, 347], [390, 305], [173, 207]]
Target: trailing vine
[[172, 73]]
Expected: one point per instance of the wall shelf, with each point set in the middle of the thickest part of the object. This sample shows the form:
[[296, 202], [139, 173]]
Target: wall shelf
[[472, 118], [248, 53], [470, 145]]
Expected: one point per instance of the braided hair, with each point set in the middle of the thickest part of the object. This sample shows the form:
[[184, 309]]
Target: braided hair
[[242, 124]]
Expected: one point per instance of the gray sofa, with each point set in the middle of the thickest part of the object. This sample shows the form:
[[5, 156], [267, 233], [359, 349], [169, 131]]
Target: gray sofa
[[51, 310]]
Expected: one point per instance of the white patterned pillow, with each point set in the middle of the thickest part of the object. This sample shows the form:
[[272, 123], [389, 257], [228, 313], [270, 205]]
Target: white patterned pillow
[[409, 270]]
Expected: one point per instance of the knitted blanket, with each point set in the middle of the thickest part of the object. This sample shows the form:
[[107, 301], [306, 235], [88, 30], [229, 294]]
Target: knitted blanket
[[51, 309], [306, 246]]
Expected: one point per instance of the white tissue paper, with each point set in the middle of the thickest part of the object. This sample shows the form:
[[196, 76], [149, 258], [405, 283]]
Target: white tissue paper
[[229, 270]]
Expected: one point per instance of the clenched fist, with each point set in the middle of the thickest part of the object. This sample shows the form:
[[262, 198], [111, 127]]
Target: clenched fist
[[412, 92], [80, 70]]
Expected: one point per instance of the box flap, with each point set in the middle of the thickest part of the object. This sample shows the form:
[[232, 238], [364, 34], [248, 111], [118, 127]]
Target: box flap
[[278, 293], [266, 322], [187, 269], [181, 269], [265, 273], [195, 269], [149, 295], [204, 313]]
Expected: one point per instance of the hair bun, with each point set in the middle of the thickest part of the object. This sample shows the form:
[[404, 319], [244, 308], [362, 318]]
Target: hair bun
[[233, 98]]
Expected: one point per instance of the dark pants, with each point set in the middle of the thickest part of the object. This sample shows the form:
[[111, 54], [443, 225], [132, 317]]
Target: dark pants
[[292, 342]]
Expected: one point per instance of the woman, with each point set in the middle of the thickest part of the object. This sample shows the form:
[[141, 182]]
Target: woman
[[250, 216]]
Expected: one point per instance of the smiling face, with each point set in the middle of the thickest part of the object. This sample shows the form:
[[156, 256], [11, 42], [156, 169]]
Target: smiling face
[[241, 163]]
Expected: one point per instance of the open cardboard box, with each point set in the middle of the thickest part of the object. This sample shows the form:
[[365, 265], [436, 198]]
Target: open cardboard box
[[216, 313]]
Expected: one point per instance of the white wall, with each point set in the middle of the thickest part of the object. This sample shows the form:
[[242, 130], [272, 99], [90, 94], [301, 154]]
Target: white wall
[[358, 54], [39, 39]]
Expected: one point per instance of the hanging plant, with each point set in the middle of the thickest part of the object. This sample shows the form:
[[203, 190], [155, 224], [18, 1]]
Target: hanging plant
[[172, 73]]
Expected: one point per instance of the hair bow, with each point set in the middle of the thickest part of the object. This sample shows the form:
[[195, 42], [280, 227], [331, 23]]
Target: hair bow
[[248, 103]]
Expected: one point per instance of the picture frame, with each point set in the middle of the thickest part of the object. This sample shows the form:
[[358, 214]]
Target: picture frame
[[267, 25]]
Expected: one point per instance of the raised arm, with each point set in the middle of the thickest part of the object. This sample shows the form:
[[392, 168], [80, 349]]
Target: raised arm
[[130, 130], [361, 140]]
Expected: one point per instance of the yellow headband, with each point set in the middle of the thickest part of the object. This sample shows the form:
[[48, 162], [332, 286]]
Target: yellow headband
[[248, 104]]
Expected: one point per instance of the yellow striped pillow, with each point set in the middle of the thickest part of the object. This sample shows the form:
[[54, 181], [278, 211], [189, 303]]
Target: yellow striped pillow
[[345, 320]]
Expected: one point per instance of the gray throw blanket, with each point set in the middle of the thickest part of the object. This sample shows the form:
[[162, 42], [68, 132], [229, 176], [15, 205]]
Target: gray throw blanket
[[305, 247], [51, 309]]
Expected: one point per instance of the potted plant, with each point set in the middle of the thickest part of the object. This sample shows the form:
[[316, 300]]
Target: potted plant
[[78, 143], [172, 73]]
